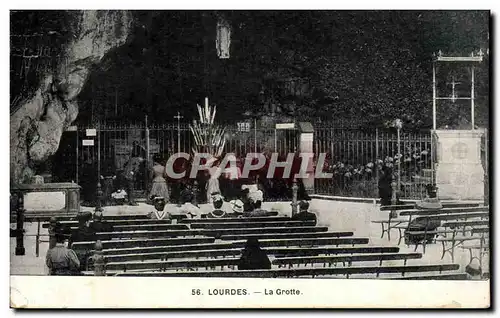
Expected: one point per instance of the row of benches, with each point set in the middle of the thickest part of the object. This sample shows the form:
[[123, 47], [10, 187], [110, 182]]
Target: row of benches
[[158, 248], [460, 223]]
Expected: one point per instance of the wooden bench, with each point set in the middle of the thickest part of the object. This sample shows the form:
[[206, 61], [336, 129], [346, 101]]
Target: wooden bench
[[125, 222], [227, 225], [173, 264], [482, 247], [322, 250], [442, 215], [258, 230], [349, 259], [209, 253], [458, 224], [305, 242], [444, 204], [166, 248], [398, 222], [145, 234], [454, 276], [227, 252], [144, 242], [300, 272], [264, 236], [459, 240]]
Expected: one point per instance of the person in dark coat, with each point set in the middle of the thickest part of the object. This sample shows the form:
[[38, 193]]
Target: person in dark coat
[[61, 260], [304, 214], [253, 257], [384, 186], [258, 211]]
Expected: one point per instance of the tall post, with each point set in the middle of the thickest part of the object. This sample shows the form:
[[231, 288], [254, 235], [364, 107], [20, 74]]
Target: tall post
[[146, 175], [255, 135], [433, 95], [472, 97], [99, 265], [98, 206], [77, 159], [399, 159], [295, 203], [19, 226]]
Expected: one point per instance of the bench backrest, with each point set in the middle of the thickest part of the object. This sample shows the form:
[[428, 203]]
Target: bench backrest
[[305, 242], [148, 234], [259, 230], [250, 224], [161, 265], [144, 242], [416, 212], [171, 255], [411, 206], [346, 258], [166, 248], [286, 235]]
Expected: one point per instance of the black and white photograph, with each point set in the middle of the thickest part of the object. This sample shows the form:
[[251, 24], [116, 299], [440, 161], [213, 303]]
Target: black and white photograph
[[290, 145]]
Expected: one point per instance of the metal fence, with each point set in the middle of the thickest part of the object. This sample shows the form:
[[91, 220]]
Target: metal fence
[[110, 146], [354, 154]]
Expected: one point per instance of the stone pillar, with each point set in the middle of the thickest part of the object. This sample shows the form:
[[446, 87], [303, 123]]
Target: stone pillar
[[306, 140], [459, 172]]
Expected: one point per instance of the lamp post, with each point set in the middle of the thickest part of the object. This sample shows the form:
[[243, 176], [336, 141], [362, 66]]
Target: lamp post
[[98, 206], [396, 186]]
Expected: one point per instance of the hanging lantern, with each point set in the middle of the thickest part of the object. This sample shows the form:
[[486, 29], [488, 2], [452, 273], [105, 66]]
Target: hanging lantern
[[223, 41]]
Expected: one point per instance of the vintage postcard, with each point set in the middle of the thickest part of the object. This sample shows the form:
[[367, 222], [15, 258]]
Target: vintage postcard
[[251, 159]]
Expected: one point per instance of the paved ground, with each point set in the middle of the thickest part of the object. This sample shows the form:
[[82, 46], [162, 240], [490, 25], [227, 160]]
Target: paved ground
[[338, 216]]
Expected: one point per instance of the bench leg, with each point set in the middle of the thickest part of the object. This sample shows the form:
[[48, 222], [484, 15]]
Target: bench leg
[[400, 236], [389, 231], [383, 230], [444, 250]]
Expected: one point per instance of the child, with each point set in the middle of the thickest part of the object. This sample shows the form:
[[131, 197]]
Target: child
[[218, 201], [159, 213]]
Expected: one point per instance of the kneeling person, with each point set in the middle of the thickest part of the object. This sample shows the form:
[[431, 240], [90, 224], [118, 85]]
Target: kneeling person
[[304, 214], [218, 201]]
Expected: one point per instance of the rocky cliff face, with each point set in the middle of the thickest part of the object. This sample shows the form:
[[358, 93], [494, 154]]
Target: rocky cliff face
[[39, 121]]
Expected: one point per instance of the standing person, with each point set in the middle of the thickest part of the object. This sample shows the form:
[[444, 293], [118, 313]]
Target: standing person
[[384, 185], [253, 257], [132, 169], [159, 187], [213, 182], [61, 260]]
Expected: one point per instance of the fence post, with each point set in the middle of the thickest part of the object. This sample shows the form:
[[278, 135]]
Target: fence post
[[99, 265]]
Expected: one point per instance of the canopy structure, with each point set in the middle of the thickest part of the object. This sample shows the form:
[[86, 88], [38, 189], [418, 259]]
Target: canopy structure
[[468, 61]]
